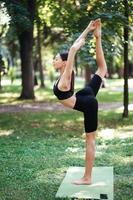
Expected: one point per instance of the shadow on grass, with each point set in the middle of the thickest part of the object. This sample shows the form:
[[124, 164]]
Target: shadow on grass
[[41, 146]]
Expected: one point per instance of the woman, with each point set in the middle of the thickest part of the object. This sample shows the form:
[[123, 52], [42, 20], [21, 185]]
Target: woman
[[84, 100]]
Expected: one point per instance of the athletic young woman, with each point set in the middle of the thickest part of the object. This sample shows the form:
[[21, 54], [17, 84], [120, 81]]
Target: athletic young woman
[[85, 99]]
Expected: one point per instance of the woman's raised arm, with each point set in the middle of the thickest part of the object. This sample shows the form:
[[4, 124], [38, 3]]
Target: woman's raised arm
[[79, 42], [71, 56]]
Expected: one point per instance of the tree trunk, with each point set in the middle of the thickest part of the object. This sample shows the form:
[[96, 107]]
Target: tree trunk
[[125, 112], [39, 55], [26, 45], [87, 74], [25, 40], [0, 81]]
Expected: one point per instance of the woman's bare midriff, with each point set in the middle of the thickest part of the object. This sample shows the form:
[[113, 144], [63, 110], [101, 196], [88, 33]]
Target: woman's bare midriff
[[70, 102]]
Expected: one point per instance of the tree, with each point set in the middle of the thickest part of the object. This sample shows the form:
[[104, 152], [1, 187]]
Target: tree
[[125, 112], [26, 45], [22, 14], [39, 24], [2, 69]]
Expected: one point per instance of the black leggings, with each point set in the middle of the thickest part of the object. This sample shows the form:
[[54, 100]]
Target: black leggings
[[87, 103]]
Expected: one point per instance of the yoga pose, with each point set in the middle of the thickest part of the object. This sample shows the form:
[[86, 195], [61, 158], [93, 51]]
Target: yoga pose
[[85, 99]]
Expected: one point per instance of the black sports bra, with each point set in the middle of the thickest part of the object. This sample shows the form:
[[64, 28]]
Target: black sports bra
[[61, 95]]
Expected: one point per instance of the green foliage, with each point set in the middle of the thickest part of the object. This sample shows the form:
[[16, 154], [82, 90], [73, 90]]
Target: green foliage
[[19, 15], [74, 16]]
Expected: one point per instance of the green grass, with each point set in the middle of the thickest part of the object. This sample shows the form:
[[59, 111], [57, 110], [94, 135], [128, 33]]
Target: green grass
[[9, 93], [37, 148]]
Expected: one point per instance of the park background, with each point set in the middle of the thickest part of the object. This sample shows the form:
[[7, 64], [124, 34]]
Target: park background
[[39, 138]]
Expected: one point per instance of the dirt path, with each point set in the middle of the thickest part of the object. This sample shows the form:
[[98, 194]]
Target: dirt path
[[34, 107]]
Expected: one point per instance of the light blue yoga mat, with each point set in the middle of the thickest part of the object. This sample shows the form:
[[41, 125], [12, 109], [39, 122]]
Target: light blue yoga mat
[[100, 189]]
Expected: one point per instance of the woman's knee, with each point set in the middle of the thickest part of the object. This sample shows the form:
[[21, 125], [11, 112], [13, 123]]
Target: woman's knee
[[90, 138]]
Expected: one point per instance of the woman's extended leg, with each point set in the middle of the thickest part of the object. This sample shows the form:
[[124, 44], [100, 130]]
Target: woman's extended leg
[[102, 67]]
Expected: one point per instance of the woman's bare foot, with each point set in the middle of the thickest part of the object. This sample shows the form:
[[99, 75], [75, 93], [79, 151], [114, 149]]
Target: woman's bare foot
[[82, 181], [91, 26], [97, 31]]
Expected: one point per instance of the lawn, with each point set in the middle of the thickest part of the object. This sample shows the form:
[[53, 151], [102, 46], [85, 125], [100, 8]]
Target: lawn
[[37, 148]]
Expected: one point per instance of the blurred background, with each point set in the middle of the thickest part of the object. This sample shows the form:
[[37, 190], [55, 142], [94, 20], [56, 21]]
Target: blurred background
[[39, 137], [32, 32]]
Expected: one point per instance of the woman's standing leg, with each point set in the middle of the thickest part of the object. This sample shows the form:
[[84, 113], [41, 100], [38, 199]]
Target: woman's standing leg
[[89, 160], [90, 109], [89, 156]]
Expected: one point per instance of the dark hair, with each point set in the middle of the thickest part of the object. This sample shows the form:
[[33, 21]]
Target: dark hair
[[64, 56]]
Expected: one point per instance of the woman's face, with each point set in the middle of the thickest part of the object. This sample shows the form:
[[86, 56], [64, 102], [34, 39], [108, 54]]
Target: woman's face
[[58, 63]]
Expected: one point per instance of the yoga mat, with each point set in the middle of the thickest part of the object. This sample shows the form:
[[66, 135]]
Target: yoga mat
[[100, 189]]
